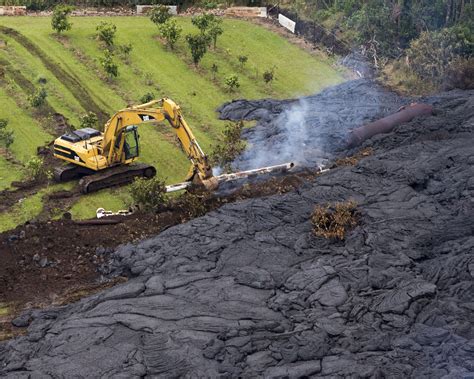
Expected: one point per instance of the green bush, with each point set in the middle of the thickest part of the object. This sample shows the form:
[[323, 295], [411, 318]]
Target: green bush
[[149, 194], [431, 54], [198, 46], [108, 64], [214, 70], [106, 33], [35, 169], [203, 21], [149, 96], [230, 148], [38, 98], [215, 30], [268, 76], [59, 21], [6, 136], [89, 120], [242, 60], [171, 32], [159, 15], [232, 82]]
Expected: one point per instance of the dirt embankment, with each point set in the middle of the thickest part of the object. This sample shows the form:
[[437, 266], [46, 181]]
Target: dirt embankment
[[247, 290]]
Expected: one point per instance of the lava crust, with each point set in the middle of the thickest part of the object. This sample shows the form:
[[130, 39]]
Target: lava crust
[[248, 290]]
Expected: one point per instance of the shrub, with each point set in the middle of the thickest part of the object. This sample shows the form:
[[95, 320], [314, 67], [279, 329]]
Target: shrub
[[198, 46], [460, 74], [125, 50], [203, 21], [215, 30], [232, 82], [209, 5], [242, 60], [214, 70], [35, 170], [171, 32], [59, 21], [231, 147], [89, 120], [108, 64], [149, 194], [194, 204], [268, 76], [106, 33], [149, 96], [159, 15], [38, 98], [40, 79], [431, 54], [6, 136], [334, 220]]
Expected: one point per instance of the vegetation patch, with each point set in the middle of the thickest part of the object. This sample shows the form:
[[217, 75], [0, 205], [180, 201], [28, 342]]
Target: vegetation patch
[[354, 159], [333, 220]]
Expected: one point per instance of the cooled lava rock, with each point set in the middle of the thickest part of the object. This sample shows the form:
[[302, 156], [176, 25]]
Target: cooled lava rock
[[249, 291]]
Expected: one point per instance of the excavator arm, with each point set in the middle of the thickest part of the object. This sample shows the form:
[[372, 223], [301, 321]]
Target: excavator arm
[[113, 143]]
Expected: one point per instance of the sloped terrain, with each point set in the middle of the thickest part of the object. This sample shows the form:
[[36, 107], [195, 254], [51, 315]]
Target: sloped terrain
[[68, 67], [248, 290]]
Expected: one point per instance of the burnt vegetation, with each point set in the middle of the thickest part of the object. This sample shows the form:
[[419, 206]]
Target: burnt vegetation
[[333, 220]]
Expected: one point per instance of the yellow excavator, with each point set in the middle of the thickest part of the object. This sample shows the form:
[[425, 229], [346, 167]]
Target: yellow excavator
[[105, 159]]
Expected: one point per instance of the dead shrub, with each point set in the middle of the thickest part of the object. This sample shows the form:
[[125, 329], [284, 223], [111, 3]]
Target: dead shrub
[[460, 74], [194, 204], [354, 159], [332, 221]]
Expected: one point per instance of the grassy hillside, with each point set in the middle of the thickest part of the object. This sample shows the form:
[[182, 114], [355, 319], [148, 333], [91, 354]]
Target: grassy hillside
[[76, 84]]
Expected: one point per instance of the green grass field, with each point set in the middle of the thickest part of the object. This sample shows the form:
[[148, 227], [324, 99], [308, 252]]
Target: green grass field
[[151, 68]]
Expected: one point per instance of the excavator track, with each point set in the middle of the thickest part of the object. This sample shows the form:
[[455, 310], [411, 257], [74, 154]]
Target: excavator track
[[70, 172], [115, 176]]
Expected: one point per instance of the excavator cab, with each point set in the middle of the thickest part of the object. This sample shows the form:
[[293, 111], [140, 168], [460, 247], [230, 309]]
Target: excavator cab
[[130, 145]]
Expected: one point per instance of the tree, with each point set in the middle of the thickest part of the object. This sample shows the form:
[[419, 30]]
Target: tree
[[89, 120], [268, 76], [149, 96], [171, 32], [159, 15], [36, 170], [6, 136], [214, 70], [242, 60], [38, 98], [215, 30], [148, 193], [108, 64], [198, 46], [203, 22], [232, 82], [59, 21], [431, 54], [106, 33], [231, 147]]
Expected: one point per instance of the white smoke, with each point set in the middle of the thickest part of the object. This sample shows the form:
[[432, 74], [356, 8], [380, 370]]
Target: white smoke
[[293, 137]]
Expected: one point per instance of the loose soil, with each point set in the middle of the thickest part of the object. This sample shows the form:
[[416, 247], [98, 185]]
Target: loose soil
[[46, 263]]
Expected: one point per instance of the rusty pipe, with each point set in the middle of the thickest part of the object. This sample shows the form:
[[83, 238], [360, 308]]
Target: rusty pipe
[[386, 124]]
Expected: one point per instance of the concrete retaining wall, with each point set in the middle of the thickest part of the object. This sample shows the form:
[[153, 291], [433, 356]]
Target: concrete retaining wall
[[246, 11]]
